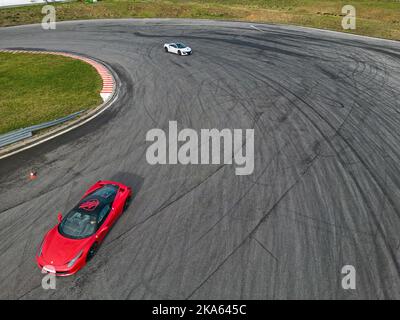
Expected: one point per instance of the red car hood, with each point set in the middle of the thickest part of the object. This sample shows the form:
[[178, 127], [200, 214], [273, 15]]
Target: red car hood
[[58, 250]]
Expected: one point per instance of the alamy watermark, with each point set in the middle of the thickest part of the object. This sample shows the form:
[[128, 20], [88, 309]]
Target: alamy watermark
[[188, 147], [49, 20], [349, 279], [349, 20], [49, 280]]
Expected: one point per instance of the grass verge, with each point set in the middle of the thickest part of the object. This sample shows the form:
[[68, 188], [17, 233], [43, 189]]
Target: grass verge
[[38, 87], [378, 18]]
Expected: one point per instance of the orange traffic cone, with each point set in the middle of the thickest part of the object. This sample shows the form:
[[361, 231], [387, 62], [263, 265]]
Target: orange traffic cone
[[32, 175]]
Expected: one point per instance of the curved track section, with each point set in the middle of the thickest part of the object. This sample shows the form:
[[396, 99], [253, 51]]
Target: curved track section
[[324, 193]]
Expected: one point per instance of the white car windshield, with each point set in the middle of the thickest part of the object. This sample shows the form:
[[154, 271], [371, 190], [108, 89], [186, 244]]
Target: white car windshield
[[180, 45]]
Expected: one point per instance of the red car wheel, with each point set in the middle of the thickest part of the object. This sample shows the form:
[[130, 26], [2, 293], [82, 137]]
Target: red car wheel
[[92, 251]]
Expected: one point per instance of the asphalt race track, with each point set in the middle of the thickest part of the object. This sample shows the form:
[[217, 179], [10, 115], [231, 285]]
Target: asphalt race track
[[324, 193]]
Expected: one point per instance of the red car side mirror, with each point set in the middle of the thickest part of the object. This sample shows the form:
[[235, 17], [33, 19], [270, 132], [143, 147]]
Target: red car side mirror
[[59, 217]]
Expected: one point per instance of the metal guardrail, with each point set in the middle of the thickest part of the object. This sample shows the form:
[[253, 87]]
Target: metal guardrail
[[21, 134], [14, 136]]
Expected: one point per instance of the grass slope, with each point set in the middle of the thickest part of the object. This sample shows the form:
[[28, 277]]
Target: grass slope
[[37, 87], [379, 18]]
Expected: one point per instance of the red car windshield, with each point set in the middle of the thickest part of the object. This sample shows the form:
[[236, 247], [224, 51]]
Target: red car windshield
[[84, 220], [78, 225]]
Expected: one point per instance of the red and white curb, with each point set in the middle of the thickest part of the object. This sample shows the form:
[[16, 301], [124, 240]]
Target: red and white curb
[[106, 76]]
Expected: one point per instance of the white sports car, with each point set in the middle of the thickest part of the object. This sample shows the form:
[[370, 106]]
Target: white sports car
[[178, 48]]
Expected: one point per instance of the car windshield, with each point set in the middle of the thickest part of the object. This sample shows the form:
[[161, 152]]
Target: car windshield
[[86, 218], [78, 225], [180, 45]]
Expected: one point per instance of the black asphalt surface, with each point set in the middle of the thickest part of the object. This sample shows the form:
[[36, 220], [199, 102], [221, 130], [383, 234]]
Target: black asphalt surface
[[324, 193]]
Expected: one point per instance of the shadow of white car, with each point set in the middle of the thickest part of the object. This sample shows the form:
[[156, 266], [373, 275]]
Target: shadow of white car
[[178, 48]]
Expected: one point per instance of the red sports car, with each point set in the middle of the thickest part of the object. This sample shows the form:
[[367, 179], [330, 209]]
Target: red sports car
[[68, 246]]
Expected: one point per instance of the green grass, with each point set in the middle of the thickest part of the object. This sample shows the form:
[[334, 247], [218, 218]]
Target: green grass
[[379, 18], [37, 87]]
